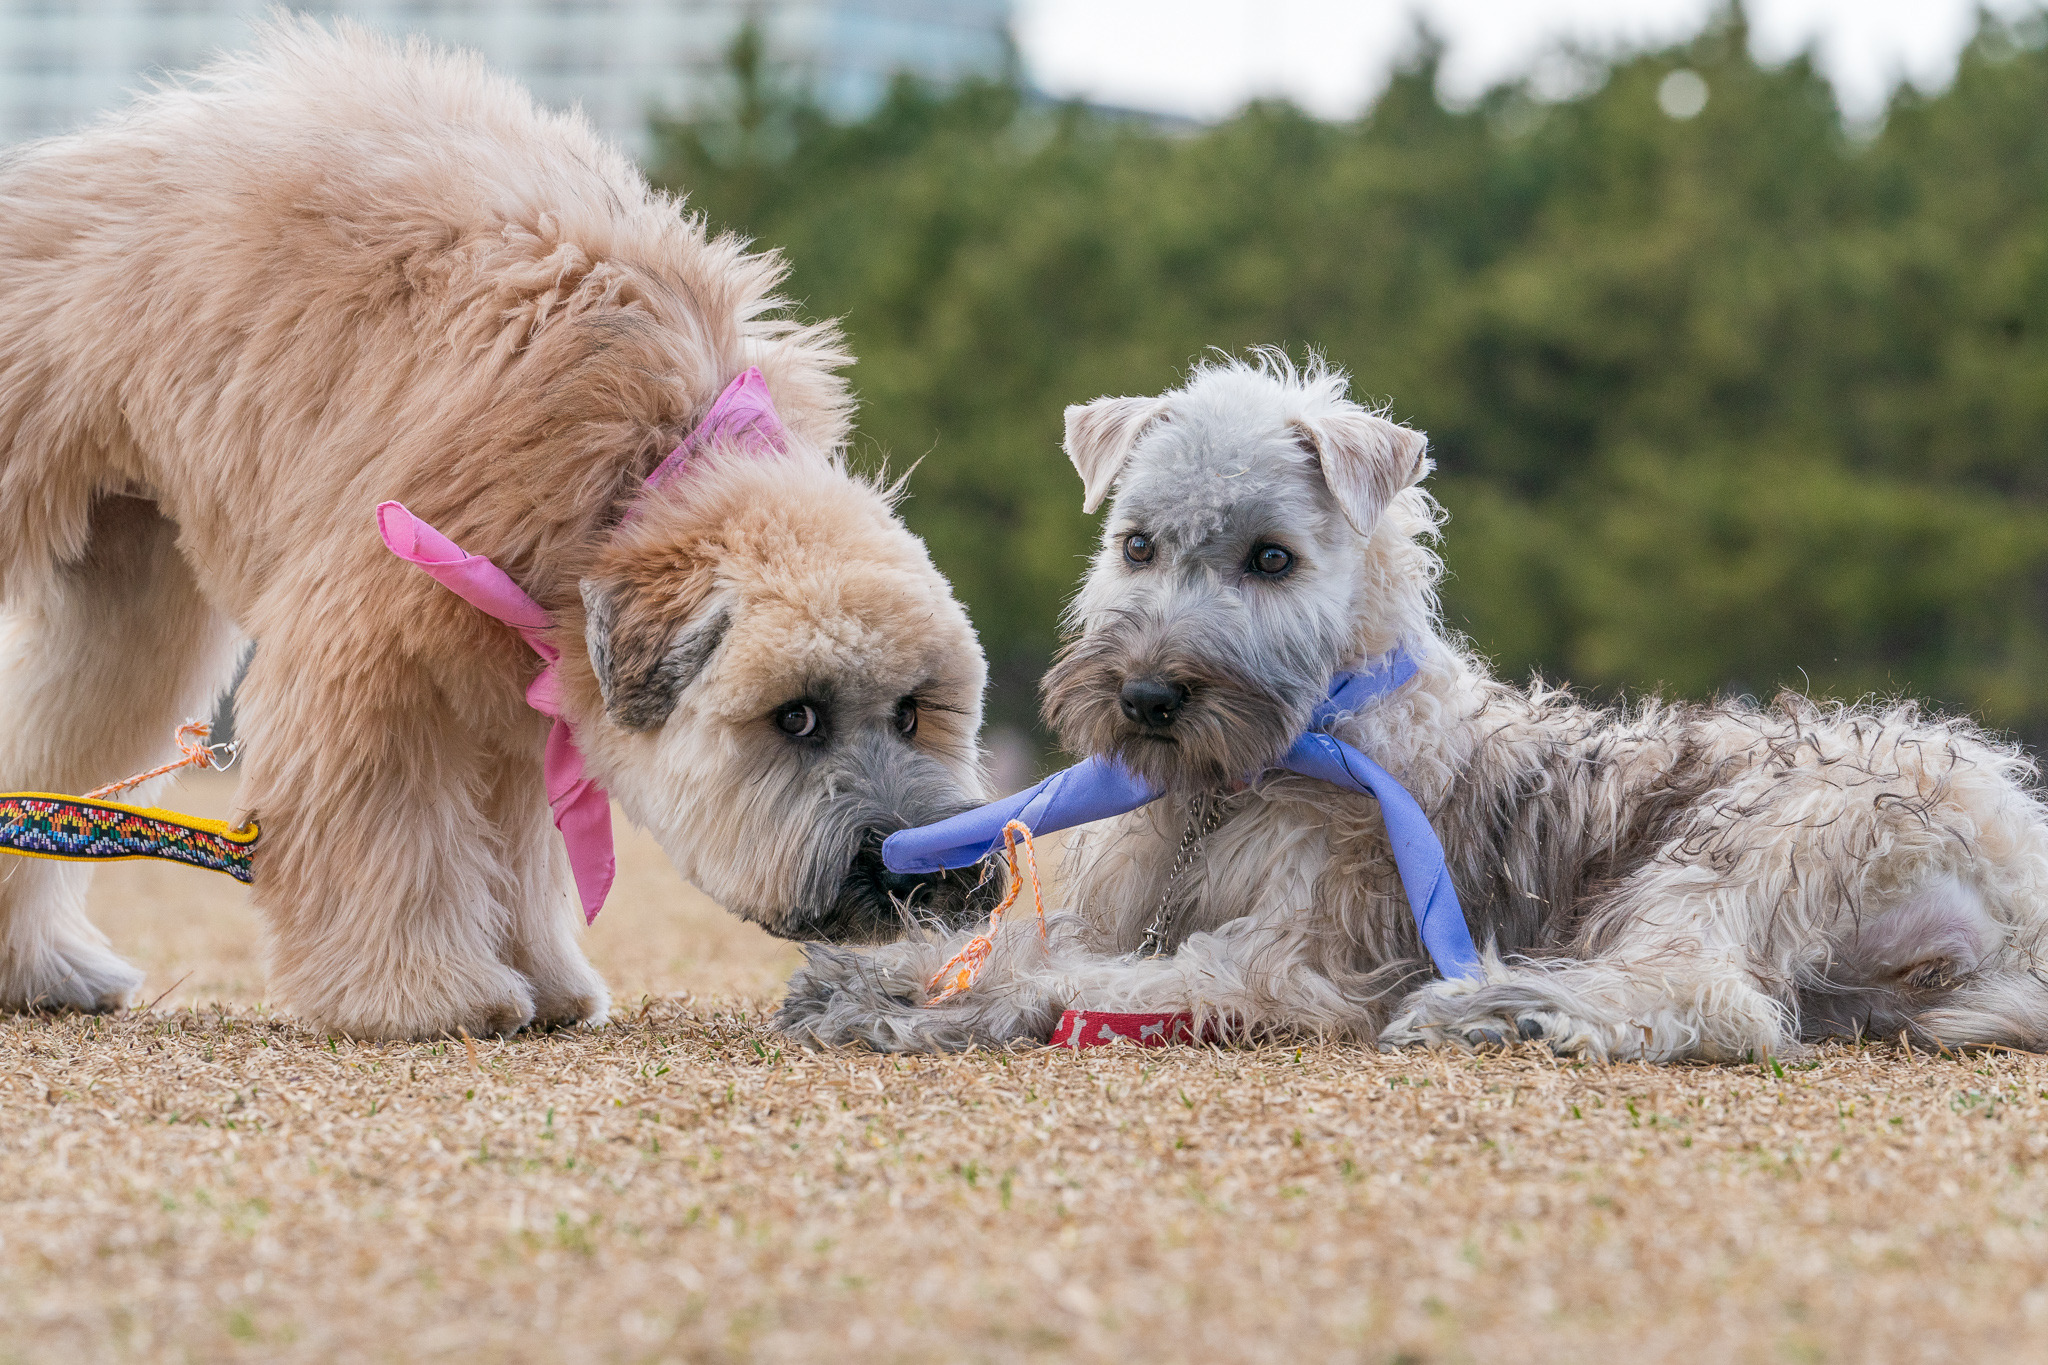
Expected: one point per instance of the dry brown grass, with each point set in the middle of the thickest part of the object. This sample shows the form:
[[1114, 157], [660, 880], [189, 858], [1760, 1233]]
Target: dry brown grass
[[208, 1182]]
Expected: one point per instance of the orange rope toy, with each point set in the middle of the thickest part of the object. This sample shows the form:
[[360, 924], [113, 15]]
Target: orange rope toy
[[197, 753], [966, 964]]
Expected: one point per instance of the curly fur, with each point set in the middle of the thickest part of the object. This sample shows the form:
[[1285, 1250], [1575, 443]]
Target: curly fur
[[1653, 881]]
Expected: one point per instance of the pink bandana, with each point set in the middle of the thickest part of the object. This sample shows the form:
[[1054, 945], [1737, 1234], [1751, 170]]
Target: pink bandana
[[743, 416]]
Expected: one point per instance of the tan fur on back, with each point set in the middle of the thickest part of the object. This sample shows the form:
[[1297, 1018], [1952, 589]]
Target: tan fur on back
[[341, 268]]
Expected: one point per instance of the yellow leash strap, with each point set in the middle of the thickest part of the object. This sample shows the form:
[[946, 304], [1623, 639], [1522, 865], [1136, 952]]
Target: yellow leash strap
[[81, 829], [92, 829]]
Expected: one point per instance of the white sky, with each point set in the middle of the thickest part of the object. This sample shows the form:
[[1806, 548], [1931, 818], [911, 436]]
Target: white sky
[[1207, 57]]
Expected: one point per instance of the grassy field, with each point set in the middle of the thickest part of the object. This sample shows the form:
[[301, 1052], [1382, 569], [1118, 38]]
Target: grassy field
[[206, 1182]]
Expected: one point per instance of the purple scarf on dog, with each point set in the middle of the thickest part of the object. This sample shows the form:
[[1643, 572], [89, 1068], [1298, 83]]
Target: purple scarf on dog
[[1098, 788]]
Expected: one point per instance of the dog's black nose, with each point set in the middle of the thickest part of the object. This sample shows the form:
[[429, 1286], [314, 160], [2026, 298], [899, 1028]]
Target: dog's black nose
[[899, 884], [873, 900], [1151, 702], [903, 883]]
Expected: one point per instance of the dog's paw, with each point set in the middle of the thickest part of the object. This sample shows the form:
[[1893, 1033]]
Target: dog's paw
[[880, 999], [556, 1009], [501, 1017], [496, 1003], [566, 994], [69, 975], [485, 1000], [841, 997], [1465, 1020]]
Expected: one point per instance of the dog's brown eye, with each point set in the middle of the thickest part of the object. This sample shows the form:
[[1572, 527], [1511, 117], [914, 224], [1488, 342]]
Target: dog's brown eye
[[1271, 560], [906, 717], [798, 720], [1138, 548]]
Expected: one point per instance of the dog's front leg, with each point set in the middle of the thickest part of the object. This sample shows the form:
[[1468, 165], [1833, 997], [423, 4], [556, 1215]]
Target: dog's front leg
[[1672, 981], [530, 876], [1608, 1009], [1250, 978], [379, 871], [883, 997]]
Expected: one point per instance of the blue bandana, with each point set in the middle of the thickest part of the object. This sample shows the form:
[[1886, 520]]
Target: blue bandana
[[1098, 788]]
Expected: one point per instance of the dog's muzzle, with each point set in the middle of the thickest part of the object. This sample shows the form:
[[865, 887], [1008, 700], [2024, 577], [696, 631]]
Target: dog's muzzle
[[875, 905], [900, 886], [1152, 702]]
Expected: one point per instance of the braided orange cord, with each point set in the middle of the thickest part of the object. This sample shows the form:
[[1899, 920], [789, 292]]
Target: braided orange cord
[[969, 960], [196, 752]]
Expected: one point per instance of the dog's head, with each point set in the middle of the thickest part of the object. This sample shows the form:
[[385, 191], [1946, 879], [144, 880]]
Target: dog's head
[[777, 679], [1240, 566]]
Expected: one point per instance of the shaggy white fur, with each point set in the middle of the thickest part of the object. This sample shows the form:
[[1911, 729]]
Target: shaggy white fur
[[1655, 881]]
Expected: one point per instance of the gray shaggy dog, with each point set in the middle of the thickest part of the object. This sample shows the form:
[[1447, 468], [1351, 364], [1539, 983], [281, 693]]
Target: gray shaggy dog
[[1654, 881]]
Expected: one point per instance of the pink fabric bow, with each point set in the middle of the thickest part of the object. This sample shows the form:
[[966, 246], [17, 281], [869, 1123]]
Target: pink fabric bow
[[743, 416]]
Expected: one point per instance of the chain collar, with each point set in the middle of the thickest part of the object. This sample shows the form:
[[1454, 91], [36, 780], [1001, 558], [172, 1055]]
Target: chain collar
[[1205, 813]]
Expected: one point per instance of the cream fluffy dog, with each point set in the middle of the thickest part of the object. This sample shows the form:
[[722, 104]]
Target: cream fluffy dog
[[1656, 882], [235, 318]]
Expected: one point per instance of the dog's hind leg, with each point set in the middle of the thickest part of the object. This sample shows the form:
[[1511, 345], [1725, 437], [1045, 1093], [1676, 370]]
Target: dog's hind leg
[[1952, 950], [1679, 976], [1887, 969], [1941, 968], [100, 659], [2001, 1008]]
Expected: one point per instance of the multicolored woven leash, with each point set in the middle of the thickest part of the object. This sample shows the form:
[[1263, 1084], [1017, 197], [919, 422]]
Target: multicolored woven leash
[[91, 829]]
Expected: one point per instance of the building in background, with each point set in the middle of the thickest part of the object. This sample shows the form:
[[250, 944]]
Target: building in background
[[63, 61]]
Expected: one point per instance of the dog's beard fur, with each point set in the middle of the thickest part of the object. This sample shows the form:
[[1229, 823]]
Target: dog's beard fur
[[858, 905], [791, 839], [1240, 714], [847, 895]]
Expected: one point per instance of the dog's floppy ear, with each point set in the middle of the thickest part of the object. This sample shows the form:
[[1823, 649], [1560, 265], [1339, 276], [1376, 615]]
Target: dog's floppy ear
[[1365, 459], [1099, 439], [642, 659]]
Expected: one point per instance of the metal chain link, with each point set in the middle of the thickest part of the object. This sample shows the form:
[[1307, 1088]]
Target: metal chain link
[[1205, 813]]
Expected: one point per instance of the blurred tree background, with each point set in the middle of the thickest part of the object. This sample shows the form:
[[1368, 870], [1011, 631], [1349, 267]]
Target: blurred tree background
[[1720, 403]]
